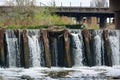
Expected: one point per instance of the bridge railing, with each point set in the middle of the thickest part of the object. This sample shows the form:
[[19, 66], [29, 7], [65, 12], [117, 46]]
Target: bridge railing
[[81, 9], [50, 4]]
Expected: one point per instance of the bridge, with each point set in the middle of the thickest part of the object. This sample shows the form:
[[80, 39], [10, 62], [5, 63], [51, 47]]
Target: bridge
[[83, 11], [99, 12], [72, 11], [77, 12]]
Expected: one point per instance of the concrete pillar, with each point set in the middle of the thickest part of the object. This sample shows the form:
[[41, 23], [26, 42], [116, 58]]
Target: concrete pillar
[[103, 22], [89, 20], [115, 6], [113, 21], [79, 20], [117, 20], [94, 20]]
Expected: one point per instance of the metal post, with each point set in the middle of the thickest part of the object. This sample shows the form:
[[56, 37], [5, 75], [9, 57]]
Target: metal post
[[80, 4], [70, 6], [61, 6], [40, 3]]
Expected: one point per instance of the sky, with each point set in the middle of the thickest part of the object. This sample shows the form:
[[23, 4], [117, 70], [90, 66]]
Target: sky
[[67, 2], [64, 2]]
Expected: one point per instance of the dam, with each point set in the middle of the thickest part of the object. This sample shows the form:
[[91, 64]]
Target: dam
[[62, 54], [61, 48]]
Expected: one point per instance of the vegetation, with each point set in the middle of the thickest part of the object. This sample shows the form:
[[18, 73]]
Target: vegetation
[[27, 15]]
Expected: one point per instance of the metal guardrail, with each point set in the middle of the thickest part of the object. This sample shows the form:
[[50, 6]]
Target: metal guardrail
[[82, 9], [59, 4]]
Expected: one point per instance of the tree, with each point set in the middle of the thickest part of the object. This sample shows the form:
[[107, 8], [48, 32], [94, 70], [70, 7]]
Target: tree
[[24, 9], [99, 3]]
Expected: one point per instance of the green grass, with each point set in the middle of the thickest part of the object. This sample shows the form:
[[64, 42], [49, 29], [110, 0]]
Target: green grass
[[70, 26]]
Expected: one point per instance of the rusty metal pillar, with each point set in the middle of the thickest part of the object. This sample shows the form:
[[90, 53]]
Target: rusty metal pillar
[[2, 53], [108, 60], [46, 46], [25, 46], [67, 53], [117, 20], [86, 38]]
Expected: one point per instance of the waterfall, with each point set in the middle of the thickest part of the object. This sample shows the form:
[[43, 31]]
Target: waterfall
[[34, 48], [56, 52], [98, 47], [87, 47], [77, 50], [12, 48], [115, 46]]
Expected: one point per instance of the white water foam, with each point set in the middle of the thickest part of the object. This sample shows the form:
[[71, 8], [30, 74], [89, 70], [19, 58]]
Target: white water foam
[[98, 46], [114, 45], [34, 49], [12, 48], [77, 50], [78, 72]]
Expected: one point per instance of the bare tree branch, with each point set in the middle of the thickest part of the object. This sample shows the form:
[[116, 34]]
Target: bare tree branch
[[99, 3]]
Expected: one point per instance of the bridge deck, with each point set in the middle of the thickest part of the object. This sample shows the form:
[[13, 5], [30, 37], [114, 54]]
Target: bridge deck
[[72, 11]]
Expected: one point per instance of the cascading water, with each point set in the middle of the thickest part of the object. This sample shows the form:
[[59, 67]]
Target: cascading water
[[34, 48], [98, 47], [95, 47], [12, 48], [77, 49], [55, 52], [114, 45]]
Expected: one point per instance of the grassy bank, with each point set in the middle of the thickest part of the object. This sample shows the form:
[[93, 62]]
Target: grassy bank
[[70, 26]]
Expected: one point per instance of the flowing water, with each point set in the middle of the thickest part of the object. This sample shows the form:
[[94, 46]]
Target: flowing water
[[13, 54], [34, 48], [115, 46], [96, 47], [77, 49]]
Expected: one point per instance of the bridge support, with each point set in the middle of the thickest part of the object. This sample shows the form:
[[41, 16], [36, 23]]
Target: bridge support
[[103, 22], [79, 20], [117, 20], [89, 21], [115, 6]]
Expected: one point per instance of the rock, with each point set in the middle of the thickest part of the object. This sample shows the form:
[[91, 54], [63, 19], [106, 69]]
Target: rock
[[26, 77]]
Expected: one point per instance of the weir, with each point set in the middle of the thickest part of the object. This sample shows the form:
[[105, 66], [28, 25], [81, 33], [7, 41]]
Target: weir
[[59, 48]]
